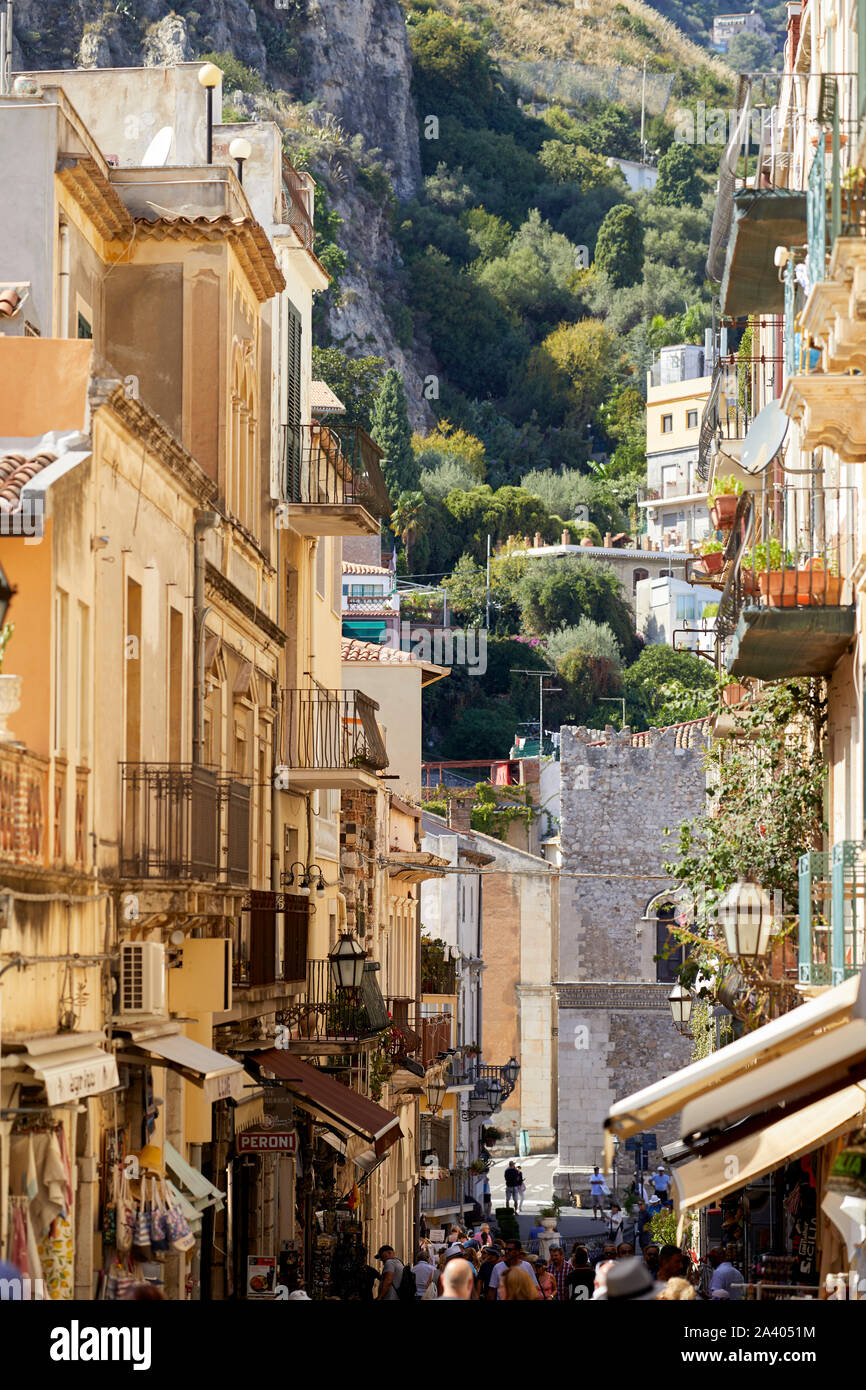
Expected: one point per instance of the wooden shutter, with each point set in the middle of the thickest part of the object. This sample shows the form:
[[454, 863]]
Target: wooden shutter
[[263, 947], [295, 922], [293, 405]]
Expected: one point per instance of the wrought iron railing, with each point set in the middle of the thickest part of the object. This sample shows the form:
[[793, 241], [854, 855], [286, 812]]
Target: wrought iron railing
[[324, 1013], [789, 547], [184, 821], [331, 729], [24, 818], [294, 205], [742, 384], [334, 465]]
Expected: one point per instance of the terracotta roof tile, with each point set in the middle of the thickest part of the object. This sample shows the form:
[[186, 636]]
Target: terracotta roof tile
[[349, 567], [352, 649], [323, 400], [16, 470]]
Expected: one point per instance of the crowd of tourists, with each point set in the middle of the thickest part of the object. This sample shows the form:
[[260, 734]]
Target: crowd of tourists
[[474, 1266]]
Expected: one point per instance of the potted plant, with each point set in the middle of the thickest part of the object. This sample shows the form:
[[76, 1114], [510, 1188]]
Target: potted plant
[[819, 583], [774, 574], [712, 553], [548, 1216], [724, 498], [734, 693], [10, 689]]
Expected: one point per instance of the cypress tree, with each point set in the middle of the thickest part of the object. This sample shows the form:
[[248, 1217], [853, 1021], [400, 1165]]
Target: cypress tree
[[391, 430]]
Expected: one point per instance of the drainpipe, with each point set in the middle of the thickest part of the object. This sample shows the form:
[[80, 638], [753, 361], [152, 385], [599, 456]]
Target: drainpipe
[[205, 521], [64, 278]]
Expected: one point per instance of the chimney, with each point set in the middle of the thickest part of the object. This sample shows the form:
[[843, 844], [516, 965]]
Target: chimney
[[537, 542], [565, 538], [607, 540], [459, 813]]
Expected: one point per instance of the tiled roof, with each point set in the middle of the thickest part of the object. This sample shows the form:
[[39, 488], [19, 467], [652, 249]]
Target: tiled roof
[[15, 471], [349, 567], [351, 649], [323, 401], [362, 608]]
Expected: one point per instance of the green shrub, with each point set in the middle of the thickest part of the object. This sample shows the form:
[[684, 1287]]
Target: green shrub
[[237, 77]]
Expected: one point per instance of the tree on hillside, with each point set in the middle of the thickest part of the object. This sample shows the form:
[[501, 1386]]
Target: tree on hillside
[[569, 372], [406, 518], [667, 687], [749, 53], [620, 246], [391, 430], [356, 380], [554, 593], [678, 183]]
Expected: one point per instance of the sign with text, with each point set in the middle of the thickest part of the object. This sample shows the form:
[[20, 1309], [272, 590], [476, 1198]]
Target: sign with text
[[271, 1141], [261, 1274]]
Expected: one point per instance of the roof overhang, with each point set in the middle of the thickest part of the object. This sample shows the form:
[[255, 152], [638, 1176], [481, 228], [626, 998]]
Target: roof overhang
[[219, 1076], [330, 1101], [778, 643]]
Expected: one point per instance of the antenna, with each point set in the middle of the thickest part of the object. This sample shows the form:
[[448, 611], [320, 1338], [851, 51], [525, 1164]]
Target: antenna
[[156, 154]]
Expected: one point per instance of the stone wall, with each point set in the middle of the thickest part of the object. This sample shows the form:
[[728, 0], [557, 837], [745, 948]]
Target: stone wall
[[619, 794]]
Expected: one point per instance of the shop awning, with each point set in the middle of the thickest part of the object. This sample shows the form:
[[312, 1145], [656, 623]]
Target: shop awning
[[736, 1162], [330, 1100], [250, 1108], [69, 1065], [785, 1037], [220, 1077], [200, 1191]]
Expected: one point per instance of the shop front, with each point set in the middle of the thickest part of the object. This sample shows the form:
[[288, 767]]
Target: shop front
[[762, 1122], [50, 1090]]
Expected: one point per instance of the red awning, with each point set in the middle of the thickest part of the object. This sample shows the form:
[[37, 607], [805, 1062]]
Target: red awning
[[331, 1099]]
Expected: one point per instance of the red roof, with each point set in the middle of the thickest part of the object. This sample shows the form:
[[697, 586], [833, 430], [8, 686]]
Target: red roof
[[16, 470], [330, 1098]]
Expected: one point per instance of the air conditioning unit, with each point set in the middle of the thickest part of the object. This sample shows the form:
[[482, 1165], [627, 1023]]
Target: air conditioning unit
[[142, 978]]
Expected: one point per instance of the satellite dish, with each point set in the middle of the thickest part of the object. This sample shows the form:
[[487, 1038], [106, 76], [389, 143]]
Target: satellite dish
[[764, 438], [157, 151]]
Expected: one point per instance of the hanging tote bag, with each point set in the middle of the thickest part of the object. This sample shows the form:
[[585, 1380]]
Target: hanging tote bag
[[141, 1248], [177, 1227], [125, 1215], [159, 1243]]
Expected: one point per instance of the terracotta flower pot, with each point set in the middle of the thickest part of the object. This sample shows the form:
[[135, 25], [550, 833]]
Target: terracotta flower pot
[[778, 588], [816, 587], [734, 694], [723, 512], [713, 563]]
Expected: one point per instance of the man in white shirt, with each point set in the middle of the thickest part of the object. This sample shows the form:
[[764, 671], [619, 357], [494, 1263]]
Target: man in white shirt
[[597, 1186], [423, 1271], [513, 1260], [725, 1276], [661, 1183]]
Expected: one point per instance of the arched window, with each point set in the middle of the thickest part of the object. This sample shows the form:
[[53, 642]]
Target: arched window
[[671, 954], [636, 577]]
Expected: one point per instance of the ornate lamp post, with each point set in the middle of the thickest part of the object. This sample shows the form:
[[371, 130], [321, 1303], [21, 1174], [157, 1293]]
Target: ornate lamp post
[[746, 915], [346, 960], [435, 1090], [680, 1001]]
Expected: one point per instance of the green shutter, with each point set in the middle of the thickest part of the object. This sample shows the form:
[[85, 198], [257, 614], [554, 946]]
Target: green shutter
[[293, 406], [847, 886], [861, 58], [814, 963]]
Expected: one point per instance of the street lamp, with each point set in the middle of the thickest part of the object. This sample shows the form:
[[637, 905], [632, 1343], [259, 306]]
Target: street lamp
[[511, 1071], [240, 150], [209, 76], [460, 1156], [304, 886], [346, 960], [494, 1093], [435, 1090], [746, 915], [680, 1001]]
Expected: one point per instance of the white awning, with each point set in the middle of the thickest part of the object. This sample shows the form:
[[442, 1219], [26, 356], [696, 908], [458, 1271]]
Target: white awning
[[732, 1165], [784, 1037], [220, 1077], [69, 1065], [201, 1192]]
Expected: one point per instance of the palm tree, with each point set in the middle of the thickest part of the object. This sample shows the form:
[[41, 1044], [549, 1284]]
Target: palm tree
[[407, 517]]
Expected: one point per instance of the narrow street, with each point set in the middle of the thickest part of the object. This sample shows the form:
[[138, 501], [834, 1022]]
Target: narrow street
[[574, 1223]]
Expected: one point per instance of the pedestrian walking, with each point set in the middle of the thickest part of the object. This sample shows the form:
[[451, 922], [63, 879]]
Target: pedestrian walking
[[662, 1183], [518, 1285], [642, 1220], [458, 1281], [678, 1290], [486, 1199], [580, 1280], [423, 1269], [725, 1276], [392, 1275], [514, 1259], [597, 1191], [630, 1280], [521, 1190], [614, 1224], [490, 1257], [559, 1272], [546, 1281], [513, 1179], [483, 1236], [651, 1258], [672, 1263]]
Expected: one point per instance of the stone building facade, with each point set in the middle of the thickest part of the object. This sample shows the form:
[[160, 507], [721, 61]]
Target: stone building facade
[[620, 791]]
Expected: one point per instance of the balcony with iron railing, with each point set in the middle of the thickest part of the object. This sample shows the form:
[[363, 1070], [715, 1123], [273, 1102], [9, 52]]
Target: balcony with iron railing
[[328, 1019], [331, 739], [742, 384], [787, 603], [832, 914], [334, 482], [183, 821], [269, 940]]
